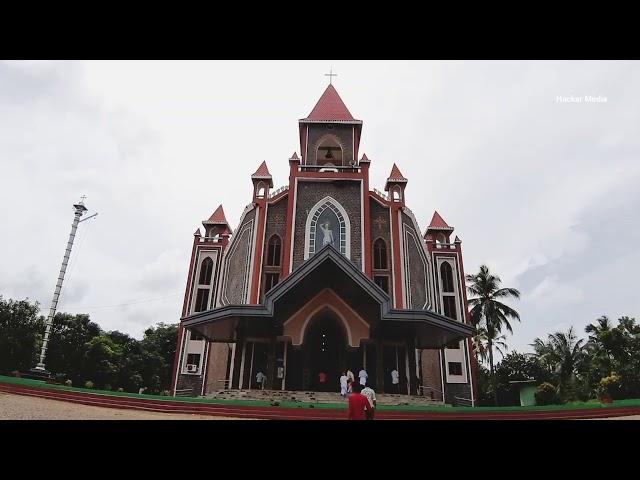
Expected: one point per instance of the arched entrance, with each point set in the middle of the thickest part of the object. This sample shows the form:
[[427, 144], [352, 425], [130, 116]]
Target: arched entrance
[[324, 350]]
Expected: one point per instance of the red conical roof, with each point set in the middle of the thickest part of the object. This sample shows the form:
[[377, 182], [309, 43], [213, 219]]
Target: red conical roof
[[396, 175], [365, 158], [437, 222], [218, 217], [262, 171], [330, 107]]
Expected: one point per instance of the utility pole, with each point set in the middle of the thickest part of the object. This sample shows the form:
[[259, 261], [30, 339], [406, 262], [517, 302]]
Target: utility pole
[[79, 211]]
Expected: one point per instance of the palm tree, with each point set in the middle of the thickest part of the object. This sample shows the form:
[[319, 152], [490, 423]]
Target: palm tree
[[487, 310], [563, 353], [481, 342]]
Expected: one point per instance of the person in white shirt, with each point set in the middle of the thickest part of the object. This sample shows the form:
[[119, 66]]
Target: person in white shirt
[[371, 396], [260, 378], [351, 379], [362, 374], [395, 380], [343, 384]]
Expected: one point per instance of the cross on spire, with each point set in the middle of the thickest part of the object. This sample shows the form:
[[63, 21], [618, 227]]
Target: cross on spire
[[330, 74], [82, 198]]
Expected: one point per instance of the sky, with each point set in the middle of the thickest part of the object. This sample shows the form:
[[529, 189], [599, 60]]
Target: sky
[[542, 190]]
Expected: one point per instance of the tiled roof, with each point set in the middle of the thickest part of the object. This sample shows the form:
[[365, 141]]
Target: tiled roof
[[217, 217], [262, 171], [437, 222], [330, 107], [396, 175]]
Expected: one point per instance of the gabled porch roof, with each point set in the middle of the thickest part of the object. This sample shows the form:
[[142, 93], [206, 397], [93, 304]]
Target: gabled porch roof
[[328, 268]]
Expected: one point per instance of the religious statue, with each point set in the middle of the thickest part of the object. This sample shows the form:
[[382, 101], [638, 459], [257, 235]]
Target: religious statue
[[328, 234]]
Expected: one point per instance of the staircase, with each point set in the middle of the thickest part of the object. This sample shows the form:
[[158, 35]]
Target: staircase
[[317, 397]]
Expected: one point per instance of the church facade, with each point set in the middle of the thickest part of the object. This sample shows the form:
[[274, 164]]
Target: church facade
[[326, 274]]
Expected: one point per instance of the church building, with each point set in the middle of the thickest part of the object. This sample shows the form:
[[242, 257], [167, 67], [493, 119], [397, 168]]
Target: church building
[[326, 274]]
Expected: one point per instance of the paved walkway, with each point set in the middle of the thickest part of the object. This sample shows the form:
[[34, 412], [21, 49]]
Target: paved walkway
[[20, 407]]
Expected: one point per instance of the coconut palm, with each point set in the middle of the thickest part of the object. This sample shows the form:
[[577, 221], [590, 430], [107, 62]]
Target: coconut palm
[[487, 309], [481, 342], [562, 352]]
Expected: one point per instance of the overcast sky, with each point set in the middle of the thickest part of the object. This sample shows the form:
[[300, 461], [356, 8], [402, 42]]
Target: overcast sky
[[544, 192]]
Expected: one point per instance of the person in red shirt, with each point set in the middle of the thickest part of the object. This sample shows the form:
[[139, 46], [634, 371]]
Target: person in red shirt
[[358, 404]]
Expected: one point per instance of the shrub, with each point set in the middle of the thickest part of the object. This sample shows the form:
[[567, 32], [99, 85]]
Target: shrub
[[121, 389], [609, 386], [165, 393], [68, 383], [16, 374], [88, 384], [107, 387], [60, 377], [547, 394]]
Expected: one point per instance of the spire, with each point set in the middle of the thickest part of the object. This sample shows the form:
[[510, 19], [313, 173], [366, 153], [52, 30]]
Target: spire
[[217, 217], [365, 158], [438, 223], [262, 173], [294, 156], [395, 175], [197, 233], [330, 107]]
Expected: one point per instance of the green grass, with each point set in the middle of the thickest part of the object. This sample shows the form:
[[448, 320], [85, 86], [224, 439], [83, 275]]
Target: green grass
[[284, 404]]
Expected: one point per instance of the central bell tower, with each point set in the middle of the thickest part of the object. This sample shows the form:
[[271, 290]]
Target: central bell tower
[[330, 136]]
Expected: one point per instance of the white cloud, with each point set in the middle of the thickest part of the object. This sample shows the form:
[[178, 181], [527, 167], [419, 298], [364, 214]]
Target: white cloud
[[157, 146]]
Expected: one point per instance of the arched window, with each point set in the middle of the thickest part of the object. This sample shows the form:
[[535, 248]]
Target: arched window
[[327, 224], [273, 251], [446, 277], [397, 194], [380, 254], [206, 269], [260, 190], [440, 238]]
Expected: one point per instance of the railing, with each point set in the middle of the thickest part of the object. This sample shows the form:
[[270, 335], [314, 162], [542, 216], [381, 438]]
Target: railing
[[428, 391], [329, 168], [462, 402], [381, 194], [225, 383], [184, 392], [278, 191]]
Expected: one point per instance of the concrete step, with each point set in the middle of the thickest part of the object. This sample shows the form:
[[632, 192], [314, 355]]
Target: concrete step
[[316, 397]]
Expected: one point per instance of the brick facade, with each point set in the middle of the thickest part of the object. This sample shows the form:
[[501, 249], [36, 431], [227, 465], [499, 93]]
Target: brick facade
[[237, 263], [348, 194]]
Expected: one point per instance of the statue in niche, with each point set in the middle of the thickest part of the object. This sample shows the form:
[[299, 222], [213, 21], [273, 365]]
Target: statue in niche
[[327, 233]]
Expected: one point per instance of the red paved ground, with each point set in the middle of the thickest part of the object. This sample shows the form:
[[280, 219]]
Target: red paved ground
[[279, 413]]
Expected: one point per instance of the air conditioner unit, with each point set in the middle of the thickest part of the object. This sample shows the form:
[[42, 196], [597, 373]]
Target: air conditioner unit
[[192, 368]]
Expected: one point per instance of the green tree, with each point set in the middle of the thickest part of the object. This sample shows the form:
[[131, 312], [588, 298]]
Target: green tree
[[615, 349], [563, 354], [21, 330], [159, 349], [70, 337], [488, 310]]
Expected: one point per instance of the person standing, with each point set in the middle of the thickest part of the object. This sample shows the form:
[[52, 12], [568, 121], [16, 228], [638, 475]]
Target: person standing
[[359, 406], [371, 396], [344, 384], [395, 380], [322, 380], [351, 379], [362, 374], [260, 378]]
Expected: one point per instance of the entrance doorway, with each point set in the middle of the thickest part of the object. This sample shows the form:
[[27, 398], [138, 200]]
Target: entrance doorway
[[324, 352]]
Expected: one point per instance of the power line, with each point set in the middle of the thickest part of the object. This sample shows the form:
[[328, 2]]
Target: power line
[[135, 302]]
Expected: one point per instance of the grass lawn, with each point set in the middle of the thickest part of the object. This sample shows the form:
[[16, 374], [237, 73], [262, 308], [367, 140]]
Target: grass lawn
[[258, 403]]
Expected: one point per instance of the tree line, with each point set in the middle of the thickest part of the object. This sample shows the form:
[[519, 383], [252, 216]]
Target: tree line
[[566, 368], [80, 353]]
